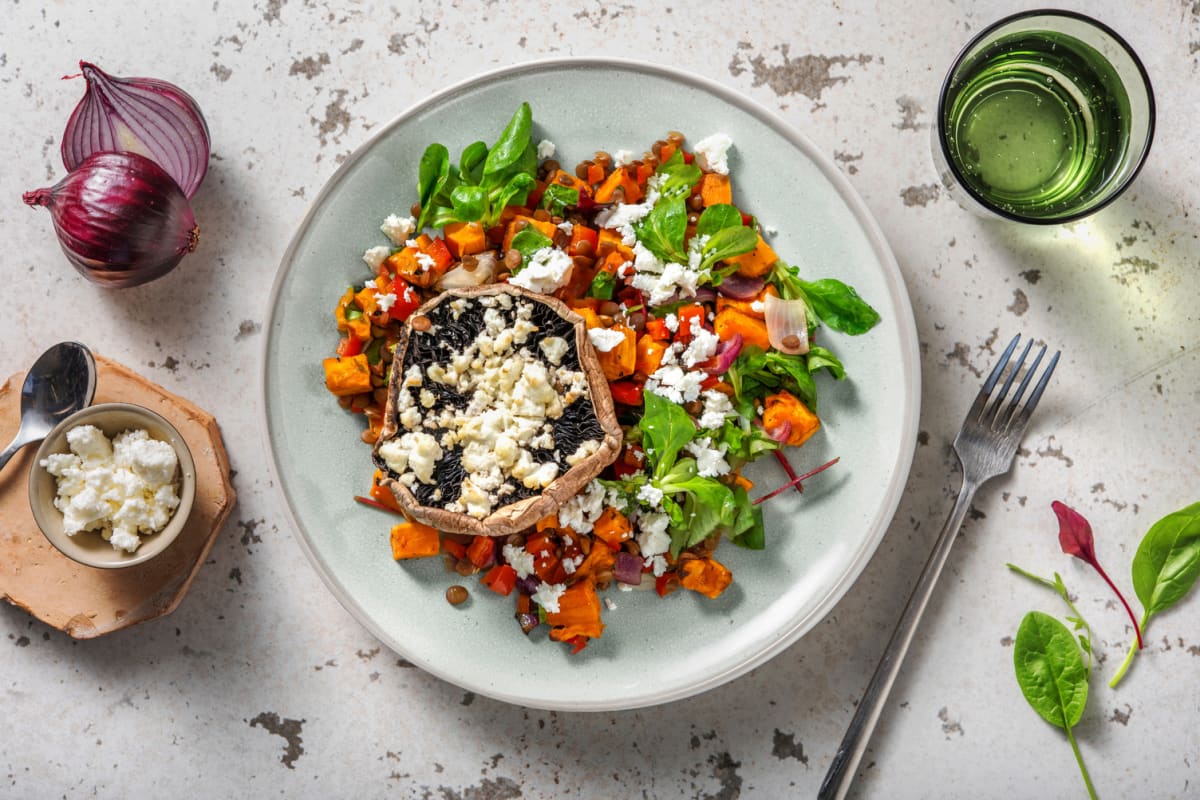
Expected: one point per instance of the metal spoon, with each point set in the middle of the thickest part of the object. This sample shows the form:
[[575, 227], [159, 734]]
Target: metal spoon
[[61, 381]]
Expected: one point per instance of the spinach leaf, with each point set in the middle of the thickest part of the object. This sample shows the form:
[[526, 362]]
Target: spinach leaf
[[1165, 568], [718, 217], [528, 241], [663, 229], [756, 374], [820, 358], [1052, 677], [666, 428], [513, 142], [557, 198], [432, 174], [839, 306], [1082, 629], [1167, 561], [470, 163]]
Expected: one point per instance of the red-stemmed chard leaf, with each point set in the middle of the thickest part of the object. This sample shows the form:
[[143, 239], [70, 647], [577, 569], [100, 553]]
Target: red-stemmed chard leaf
[[1075, 538]]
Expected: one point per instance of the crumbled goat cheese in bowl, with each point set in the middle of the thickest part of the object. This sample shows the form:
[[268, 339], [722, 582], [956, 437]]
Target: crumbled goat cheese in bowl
[[112, 485]]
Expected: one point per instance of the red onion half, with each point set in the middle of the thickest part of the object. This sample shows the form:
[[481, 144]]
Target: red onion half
[[146, 116], [121, 220]]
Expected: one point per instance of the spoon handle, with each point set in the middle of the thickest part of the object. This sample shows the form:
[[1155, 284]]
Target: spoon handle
[[12, 449]]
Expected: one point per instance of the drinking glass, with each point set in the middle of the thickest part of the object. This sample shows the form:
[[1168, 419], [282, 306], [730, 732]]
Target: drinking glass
[[1045, 117]]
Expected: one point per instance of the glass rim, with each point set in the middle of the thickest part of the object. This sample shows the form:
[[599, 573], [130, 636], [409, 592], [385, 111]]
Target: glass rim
[[970, 45]]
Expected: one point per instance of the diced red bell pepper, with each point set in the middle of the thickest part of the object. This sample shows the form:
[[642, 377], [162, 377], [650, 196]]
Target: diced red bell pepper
[[482, 551], [535, 194], [540, 542], [454, 548], [664, 584], [709, 382], [440, 253], [746, 218], [407, 299], [577, 644], [501, 579], [628, 393], [349, 346], [688, 158]]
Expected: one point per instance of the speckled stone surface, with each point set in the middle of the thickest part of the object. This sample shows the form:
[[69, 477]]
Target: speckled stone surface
[[261, 684]]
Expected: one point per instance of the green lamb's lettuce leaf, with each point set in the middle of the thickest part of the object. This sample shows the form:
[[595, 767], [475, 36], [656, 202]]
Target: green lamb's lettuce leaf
[[663, 229], [718, 217], [666, 427], [820, 358], [747, 530], [432, 175], [528, 241], [513, 142], [756, 374], [727, 243], [557, 198], [470, 163], [603, 285]]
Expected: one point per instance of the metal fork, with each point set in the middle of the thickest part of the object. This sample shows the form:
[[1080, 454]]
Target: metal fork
[[985, 446]]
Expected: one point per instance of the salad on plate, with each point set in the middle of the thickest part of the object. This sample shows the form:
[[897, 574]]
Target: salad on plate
[[709, 344]]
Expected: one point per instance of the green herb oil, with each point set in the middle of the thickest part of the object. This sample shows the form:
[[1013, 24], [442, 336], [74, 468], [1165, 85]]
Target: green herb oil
[[1037, 123]]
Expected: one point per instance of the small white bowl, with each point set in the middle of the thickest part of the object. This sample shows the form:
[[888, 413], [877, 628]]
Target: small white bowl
[[88, 547]]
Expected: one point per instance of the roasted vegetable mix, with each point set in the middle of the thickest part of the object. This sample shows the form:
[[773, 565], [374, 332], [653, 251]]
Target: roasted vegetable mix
[[708, 339]]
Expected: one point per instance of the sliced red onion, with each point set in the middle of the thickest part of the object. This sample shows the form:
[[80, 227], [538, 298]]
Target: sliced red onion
[[121, 220], [527, 622], [787, 325], [728, 354], [740, 287], [146, 116], [781, 432], [529, 584], [628, 568], [705, 294]]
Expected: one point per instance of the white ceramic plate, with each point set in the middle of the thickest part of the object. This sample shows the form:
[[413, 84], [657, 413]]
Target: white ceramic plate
[[653, 650]]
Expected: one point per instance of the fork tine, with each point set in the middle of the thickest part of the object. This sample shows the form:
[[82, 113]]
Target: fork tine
[[1023, 416], [981, 399], [1011, 412], [994, 413]]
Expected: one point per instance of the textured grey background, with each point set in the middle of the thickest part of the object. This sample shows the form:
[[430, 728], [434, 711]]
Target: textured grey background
[[261, 684]]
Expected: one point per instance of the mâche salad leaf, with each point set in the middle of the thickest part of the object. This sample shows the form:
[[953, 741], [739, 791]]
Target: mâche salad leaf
[[829, 300], [485, 180]]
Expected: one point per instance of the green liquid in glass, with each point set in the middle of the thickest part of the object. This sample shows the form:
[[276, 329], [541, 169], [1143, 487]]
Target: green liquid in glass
[[1037, 124]]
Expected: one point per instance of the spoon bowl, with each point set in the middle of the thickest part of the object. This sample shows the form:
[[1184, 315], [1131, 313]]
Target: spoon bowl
[[61, 382]]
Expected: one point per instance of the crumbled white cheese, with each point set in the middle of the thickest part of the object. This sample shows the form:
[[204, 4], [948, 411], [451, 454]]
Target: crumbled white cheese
[[701, 348], [758, 307], [584, 451], [547, 596], [375, 257], [425, 261], [605, 339], [545, 149], [548, 269], [652, 537], [566, 227], [622, 157], [554, 348], [672, 383], [413, 243], [650, 495], [580, 512], [121, 488], [658, 564], [710, 461], [672, 322], [415, 452], [398, 228], [675, 280], [713, 153], [622, 217], [519, 559], [716, 408], [385, 301]]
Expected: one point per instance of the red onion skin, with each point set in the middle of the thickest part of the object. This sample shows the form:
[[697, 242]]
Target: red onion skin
[[739, 287], [728, 354], [121, 220], [146, 116]]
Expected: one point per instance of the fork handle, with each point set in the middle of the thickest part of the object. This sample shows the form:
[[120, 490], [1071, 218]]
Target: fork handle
[[854, 743]]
